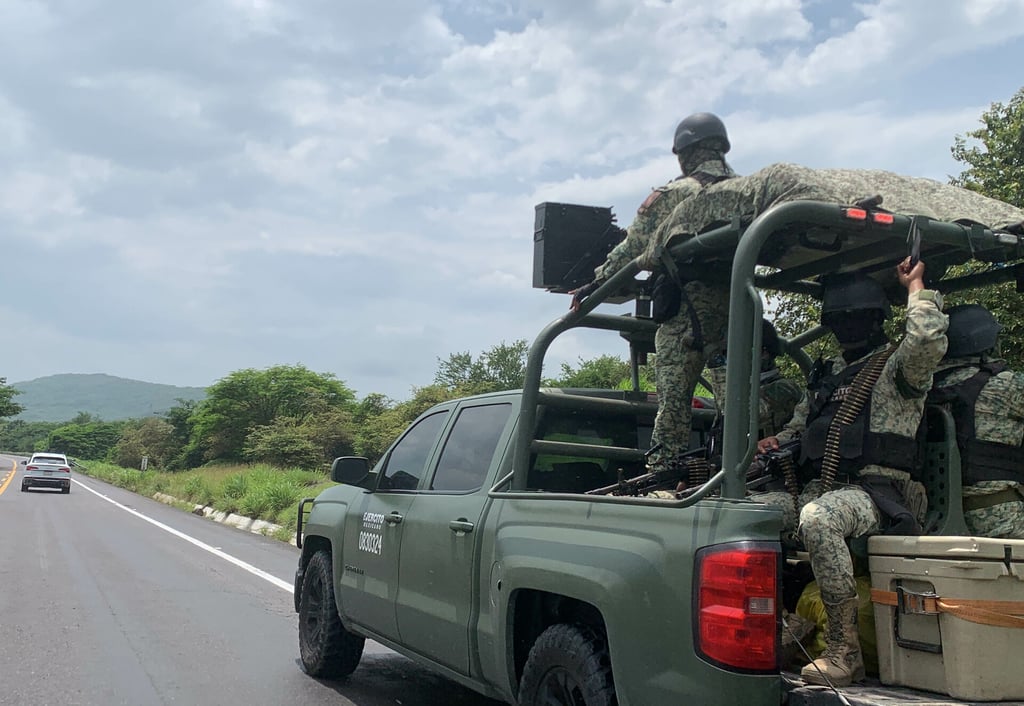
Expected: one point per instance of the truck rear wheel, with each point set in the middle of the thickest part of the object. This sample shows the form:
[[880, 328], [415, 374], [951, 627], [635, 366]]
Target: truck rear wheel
[[327, 649], [568, 665]]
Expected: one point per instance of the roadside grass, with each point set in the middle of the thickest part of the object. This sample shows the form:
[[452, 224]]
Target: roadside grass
[[258, 491]]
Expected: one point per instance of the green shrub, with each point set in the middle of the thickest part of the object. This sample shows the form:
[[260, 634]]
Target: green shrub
[[198, 490], [129, 478], [236, 485], [255, 503], [281, 495]]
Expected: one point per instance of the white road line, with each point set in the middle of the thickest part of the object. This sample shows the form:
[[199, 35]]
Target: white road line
[[284, 585]]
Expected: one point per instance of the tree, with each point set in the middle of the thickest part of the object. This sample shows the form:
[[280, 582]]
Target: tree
[[603, 372], [247, 399], [8, 407], [503, 367], [376, 434], [19, 435], [91, 440], [995, 167], [152, 438], [282, 443]]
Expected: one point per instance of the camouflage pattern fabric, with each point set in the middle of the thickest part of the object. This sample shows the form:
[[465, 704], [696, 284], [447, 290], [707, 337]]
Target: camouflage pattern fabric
[[657, 208], [677, 366], [998, 417], [825, 523], [752, 195], [778, 397], [897, 406]]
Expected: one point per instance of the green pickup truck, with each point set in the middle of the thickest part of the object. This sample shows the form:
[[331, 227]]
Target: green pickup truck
[[511, 542]]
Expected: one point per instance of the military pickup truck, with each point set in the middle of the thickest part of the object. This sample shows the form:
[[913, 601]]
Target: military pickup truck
[[512, 541]]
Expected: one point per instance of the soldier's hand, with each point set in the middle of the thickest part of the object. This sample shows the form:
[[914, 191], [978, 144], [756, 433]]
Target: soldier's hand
[[581, 293], [911, 276], [769, 443]]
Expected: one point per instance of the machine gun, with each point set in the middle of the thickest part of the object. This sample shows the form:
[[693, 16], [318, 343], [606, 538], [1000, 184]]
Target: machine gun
[[693, 467], [774, 466]]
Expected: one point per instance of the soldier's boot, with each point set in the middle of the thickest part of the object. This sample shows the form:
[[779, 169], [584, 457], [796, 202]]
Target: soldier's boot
[[842, 661]]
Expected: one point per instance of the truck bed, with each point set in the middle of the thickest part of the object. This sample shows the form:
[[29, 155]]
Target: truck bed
[[870, 692]]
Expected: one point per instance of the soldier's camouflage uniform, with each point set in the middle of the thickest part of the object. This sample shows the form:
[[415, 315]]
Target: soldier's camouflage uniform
[[998, 417], [778, 397], [677, 366], [897, 407], [752, 195]]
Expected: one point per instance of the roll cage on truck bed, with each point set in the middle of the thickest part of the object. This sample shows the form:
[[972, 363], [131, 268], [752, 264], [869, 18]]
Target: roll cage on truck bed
[[523, 583], [787, 248]]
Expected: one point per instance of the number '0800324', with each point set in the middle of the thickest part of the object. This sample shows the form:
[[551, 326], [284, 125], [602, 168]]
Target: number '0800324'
[[370, 542]]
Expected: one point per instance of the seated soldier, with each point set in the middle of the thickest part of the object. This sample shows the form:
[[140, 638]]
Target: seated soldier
[[778, 395], [986, 400], [857, 428]]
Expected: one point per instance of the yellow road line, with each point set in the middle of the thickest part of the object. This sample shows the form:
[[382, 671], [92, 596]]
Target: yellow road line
[[10, 477]]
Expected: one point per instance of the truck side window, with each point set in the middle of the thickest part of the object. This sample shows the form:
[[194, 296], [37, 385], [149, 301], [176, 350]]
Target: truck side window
[[470, 447], [408, 459]]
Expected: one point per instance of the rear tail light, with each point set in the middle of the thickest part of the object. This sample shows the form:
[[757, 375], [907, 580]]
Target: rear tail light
[[886, 219], [737, 603], [65, 469], [32, 468]]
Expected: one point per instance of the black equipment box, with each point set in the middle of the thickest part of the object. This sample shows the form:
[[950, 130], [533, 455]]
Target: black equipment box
[[569, 241]]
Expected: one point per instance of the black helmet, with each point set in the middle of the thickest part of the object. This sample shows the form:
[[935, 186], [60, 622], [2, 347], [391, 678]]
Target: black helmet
[[853, 291], [697, 127], [770, 339], [972, 330]]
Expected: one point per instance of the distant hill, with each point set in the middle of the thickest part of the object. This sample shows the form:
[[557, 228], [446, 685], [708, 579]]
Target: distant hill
[[58, 398]]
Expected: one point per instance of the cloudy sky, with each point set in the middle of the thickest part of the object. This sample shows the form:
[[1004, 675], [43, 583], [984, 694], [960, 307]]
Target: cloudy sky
[[193, 188]]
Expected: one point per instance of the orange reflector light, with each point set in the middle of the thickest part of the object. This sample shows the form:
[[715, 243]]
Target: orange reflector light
[[857, 214], [883, 218]]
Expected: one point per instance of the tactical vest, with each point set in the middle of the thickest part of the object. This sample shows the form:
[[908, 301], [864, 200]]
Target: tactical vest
[[979, 460], [858, 445]]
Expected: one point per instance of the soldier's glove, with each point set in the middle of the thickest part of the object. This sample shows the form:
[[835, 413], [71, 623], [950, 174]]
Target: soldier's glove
[[581, 293]]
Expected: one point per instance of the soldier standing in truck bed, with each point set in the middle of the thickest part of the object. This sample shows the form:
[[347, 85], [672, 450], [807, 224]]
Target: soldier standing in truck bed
[[700, 143], [986, 400]]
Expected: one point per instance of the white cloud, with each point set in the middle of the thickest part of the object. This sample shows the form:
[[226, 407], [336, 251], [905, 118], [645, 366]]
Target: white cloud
[[353, 184], [896, 36]]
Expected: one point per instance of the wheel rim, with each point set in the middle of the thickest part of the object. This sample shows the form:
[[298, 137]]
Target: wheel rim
[[314, 604], [560, 688]]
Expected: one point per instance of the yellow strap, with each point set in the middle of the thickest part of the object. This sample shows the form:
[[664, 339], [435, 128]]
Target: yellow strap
[[1003, 614]]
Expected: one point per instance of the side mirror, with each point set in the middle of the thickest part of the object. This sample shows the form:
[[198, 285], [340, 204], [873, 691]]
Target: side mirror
[[24, 462], [351, 470]]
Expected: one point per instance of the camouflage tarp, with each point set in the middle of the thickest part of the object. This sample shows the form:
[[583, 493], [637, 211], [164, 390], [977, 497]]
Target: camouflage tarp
[[752, 195]]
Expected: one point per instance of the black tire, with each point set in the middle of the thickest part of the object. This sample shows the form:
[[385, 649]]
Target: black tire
[[66, 490], [24, 488], [568, 665], [327, 649]]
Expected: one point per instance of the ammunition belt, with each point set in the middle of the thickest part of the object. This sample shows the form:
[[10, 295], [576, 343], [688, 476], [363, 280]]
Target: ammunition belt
[[698, 470], [851, 407]]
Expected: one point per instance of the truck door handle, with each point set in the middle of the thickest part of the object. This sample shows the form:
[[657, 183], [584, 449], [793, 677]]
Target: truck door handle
[[394, 518], [461, 525]]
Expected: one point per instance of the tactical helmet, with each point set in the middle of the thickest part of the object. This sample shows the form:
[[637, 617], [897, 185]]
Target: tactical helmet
[[972, 330], [770, 339], [853, 291], [697, 127]]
